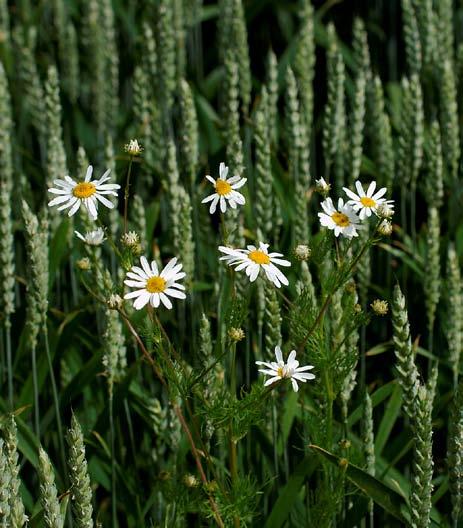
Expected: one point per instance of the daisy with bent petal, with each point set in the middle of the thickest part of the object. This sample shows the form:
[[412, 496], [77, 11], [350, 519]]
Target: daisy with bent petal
[[71, 194], [92, 238], [253, 259], [367, 202], [278, 370], [225, 191], [154, 287], [343, 219]]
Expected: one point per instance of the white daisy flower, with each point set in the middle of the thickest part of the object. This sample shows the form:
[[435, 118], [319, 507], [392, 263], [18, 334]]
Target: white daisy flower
[[278, 370], [343, 219], [154, 287], [366, 203], [87, 193], [225, 191], [92, 238], [253, 259]]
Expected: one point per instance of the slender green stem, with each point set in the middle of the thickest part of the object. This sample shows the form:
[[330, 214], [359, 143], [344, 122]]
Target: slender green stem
[[9, 361], [55, 402], [126, 193], [35, 385], [113, 460]]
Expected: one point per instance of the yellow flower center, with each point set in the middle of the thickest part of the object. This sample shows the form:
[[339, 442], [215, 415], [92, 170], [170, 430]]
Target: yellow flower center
[[281, 372], [259, 257], [340, 219], [222, 187], [84, 190], [155, 285], [367, 202]]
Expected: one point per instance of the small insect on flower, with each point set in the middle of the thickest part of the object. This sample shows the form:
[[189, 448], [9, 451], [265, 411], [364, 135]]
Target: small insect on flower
[[343, 219], [87, 193], [225, 191], [366, 203], [278, 370], [92, 238], [133, 147], [253, 259], [154, 287]]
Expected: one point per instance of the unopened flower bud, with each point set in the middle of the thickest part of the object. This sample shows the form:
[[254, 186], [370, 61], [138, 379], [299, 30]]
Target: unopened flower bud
[[385, 211], [133, 147], [130, 239], [236, 334], [83, 264], [190, 481], [302, 252], [385, 228], [379, 307], [115, 301], [322, 187]]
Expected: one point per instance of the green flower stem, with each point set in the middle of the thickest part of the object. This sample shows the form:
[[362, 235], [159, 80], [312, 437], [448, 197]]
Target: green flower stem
[[55, 403], [126, 193]]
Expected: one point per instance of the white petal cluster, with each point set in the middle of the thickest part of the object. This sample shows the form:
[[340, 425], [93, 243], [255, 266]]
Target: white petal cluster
[[343, 220], [253, 259], [154, 287], [225, 191], [72, 194], [367, 202], [92, 238], [278, 370]]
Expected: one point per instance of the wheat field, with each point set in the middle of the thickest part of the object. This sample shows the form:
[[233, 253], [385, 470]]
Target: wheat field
[[231, 245]]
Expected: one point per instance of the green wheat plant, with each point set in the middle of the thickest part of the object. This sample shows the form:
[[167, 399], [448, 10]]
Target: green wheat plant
[[231, 246]]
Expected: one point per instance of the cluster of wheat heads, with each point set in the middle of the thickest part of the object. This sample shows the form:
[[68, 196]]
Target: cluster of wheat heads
[[231, 243]]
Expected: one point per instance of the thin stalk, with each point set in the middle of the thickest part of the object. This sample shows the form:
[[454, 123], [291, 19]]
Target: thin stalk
[[35, 385], [413, 213], [113, 459], [126, 193], [9, 361], [232, 442], [55, 403]]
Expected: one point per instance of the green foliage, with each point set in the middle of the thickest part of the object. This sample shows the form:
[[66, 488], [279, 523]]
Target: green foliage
[[182, 428]]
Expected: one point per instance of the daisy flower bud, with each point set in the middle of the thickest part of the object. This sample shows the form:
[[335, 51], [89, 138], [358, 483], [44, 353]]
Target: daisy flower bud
[[302, 252], [322, 187], [385, 211], [190, 481], [130, 239], [236, 334], [83, 264], [379, 307], [133, 147], [115, 301], [92, 238], [385, 228]]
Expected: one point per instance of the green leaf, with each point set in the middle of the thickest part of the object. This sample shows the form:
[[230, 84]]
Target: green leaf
[[289, 493], [384, 496], [388, 420]]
